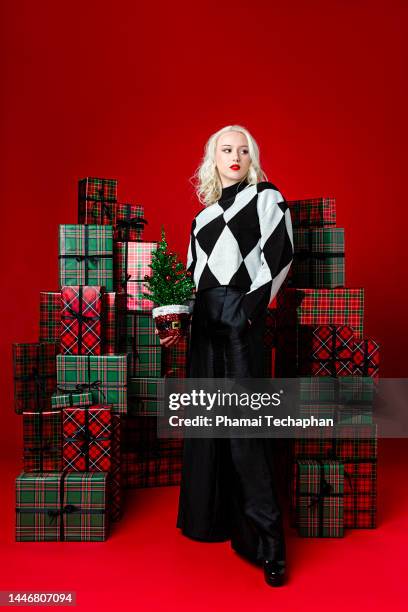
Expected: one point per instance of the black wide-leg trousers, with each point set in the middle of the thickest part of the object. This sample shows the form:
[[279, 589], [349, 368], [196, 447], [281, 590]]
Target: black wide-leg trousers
[[227, 489]]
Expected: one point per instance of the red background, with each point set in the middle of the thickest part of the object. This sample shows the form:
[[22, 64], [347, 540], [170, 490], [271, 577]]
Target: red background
[[133, 90]]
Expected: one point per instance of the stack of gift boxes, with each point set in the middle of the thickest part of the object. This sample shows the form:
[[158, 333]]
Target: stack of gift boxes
[[96, 362], [316, 334]]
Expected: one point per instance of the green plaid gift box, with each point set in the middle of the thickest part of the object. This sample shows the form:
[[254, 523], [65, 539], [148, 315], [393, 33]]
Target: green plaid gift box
[[352, 390], [136, 336], [62, 400], [97, 199], [145, 395], [105, 376], [55, 506], [319, 258], [319, 498], [85, 255], [50, 316], [34, 375], [313, 212]]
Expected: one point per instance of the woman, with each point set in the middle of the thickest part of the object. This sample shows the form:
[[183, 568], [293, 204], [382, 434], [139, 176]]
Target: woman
[[240, 251]]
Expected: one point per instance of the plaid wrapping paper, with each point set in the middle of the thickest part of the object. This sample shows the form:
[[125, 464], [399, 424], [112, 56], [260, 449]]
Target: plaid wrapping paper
[[162, 471], [174, 360], [136, 336], [132, 263], [319, 258], [42, 441], [313, 212], [130, 222], [326, 350], [355, 390], [50, 316], [140, 437], [366, 358], [115, 475], [146, 361], [55, 506], [87, 435], [109, 323], [67, 400], [85, 255], [34, 375], [81, 320], [97, 199], [319, 496], [145, 395], [104, 376]]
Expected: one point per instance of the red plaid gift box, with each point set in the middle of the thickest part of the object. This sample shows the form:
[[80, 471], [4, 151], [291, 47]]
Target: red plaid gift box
[[87, 439], [139, 473], [115, 475], [313, 212], [42, 441], [109, 323], [50, 316], [97, 199], [326, 350], [81, 320], [140, 437], [131, 264], [174, 359], [130, 222], [35, 381], [366, 358]]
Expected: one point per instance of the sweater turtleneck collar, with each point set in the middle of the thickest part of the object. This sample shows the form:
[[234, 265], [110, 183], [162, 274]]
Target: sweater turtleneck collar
[[231, 191]]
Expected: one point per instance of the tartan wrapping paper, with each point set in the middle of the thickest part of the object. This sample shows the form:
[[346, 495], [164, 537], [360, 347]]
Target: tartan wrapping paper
[[362, 415], [87, 435], [97, 199], [81, 320], [109, 323], [136, 337], [145, 395], [130, 222], [319, 258], [355, 390], [146, 361], [162, 471], [174, 360], [115, 475], [54, 507], [366, 358], [42, 441], [326, 350], [85, 255], [34, 375], [319, 496], [132, 263], [313, 212], [50, 316], [104, 376], [140, 437], [66, 400], [296, 307]]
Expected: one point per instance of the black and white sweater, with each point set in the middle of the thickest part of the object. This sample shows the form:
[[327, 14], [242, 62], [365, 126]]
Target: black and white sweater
[[244, 240]]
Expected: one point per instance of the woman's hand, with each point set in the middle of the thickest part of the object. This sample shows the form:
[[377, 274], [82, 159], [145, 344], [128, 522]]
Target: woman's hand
[[169, 341]]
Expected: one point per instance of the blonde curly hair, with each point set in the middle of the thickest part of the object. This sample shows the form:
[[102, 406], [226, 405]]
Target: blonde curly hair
[[206, 178]]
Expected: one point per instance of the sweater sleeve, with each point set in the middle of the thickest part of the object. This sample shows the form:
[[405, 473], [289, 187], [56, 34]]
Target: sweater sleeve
[[276, 245]]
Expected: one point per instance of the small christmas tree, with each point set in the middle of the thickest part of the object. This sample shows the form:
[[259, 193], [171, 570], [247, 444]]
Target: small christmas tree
[[169, 282]]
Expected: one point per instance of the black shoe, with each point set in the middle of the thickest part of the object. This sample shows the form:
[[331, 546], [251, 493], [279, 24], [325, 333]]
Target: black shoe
[[274, 572]]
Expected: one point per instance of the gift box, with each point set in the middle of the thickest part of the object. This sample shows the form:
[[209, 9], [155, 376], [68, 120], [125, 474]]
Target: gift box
[[81, 320], [313, 212], [109, 323], [87, 437], [104, 376], [326, 350], [136, 337], [145, 395], [352, 390], [115, 474], [140, 437], [42, 441], [53, 506], [132, 263], [174, 359], [34, 375], [366, 358], [85, 255], [318, 258], [62, 399], [97, 199], [50, 316], [319, 498], [130, 222], [162, 471]]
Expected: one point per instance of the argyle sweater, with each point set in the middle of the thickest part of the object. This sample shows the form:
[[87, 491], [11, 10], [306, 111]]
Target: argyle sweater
[[244, 240]]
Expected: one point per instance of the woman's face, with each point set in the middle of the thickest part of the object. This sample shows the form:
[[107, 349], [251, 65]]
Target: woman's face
[[232, 157]]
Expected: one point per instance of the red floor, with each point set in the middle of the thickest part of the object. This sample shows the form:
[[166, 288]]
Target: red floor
[[148, 565]]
